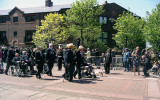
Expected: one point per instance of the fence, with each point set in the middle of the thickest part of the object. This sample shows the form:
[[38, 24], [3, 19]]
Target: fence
[[116, 64]]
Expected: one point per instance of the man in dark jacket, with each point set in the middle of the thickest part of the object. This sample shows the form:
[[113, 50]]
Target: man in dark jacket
[[98, 59], [108, 60], [50, 58], [10, 55], [39, 61], [146, 65], [60, 58], [79, 58], [70, 62]]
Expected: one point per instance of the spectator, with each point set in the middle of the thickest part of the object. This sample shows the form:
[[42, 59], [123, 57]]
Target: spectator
[[98, 59], [126, 56], [88, 55], [136, 54]]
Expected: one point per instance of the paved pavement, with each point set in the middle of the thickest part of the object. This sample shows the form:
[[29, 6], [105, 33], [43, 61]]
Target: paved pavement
[[118, 85]]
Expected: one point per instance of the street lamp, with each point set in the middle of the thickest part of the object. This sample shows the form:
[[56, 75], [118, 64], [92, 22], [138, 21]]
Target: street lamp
[[112, 20]]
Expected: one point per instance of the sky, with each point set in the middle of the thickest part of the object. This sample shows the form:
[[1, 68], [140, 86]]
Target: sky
[[139, 7]]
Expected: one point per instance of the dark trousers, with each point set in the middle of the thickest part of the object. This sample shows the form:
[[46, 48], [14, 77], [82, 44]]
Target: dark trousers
[[40, 69], [66, 71], [50, 66], [126, 65], [59, 64], [107, 68], [70, 73], [145, 71], [7, 67], [78, 70]]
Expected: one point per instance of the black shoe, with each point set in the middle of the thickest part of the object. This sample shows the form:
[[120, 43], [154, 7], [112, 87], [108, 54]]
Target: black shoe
[[38, 77], [70, 80], [6, 73], [74, 76]]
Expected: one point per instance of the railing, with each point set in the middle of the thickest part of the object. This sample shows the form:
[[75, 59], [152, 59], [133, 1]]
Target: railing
[[116, 64]]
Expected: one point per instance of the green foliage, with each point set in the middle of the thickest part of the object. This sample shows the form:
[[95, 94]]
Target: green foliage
[[50, 31], [82, 21], [152, 28], [100, 45], [130, 31]]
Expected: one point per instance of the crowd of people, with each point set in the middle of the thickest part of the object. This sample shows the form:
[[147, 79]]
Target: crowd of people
[[132, 60], [73, 60]]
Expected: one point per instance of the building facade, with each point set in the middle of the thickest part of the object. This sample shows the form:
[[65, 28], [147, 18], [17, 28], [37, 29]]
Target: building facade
[[18, 25]]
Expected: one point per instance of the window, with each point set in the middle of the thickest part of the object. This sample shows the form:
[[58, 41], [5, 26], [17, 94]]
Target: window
[[3, 38], [103, 20], [2, 19], [104, 37], [15, 34], [30, 18], [15, 19], [28, 35]]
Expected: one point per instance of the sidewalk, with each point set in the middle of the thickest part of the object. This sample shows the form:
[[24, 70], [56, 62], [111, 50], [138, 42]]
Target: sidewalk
[[118, 85]]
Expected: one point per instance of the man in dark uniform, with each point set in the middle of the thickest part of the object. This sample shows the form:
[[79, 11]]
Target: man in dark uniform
[[79, 58], [50, 58], [146, 65], [70, 61], [39, 61], [108, 60], [65, 62], [60, 58], [10, 55]]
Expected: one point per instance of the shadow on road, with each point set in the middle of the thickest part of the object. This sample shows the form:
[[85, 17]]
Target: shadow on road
[[87, 81], [48, 79], [116, 74]]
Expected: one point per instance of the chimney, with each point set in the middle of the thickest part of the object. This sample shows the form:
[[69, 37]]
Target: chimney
[[105, 2], [48, 3]]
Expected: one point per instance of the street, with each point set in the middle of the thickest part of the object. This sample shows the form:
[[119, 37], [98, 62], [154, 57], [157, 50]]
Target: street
[[118, 85]]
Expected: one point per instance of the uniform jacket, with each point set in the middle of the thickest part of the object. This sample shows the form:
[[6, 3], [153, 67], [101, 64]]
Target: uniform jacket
[[50, 55], [39, 57], [108, 58], [79, 57], [10, 55], [60, 55], [70, 57]]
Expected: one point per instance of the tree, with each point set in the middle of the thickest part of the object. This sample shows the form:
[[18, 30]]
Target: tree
[[130, 31], [50, 31], [152, 28], [82, 21]]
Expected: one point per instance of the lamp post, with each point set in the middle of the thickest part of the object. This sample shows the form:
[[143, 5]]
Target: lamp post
[[112, 21]]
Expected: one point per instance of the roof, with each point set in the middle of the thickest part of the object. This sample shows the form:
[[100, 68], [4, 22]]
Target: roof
[[43, 9]]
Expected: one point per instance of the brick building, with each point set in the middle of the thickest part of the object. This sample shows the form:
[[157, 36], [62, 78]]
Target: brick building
[[18, 24]]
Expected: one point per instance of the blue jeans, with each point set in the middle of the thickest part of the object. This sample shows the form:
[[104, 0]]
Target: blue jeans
[[126, 65], [98, 62]]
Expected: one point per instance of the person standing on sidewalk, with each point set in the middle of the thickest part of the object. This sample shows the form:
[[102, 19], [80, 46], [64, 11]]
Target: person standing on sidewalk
[[10, 55], [98, 59], [79, 58], [108, 60], [136, 54], [88, 55], [146, 65], [39, 61], [70, 62], [60, 58], [126, 56], [50, 58]]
